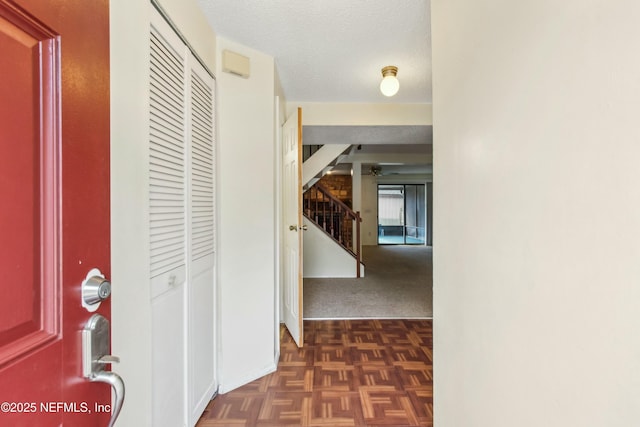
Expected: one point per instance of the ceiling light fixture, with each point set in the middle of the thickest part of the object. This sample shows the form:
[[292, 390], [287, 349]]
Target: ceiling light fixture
[[389, 85]]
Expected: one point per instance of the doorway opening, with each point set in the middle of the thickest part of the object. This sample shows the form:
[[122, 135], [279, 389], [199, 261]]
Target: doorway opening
[[402, 214]]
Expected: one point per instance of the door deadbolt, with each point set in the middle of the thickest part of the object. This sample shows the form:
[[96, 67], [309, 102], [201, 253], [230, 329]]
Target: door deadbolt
[[95, 289]]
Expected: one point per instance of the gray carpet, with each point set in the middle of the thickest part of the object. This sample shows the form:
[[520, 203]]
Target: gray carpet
[[398, 284]]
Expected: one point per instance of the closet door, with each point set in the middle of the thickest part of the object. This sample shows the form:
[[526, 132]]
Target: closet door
[[167, 222], [201, 297], [182, 229]]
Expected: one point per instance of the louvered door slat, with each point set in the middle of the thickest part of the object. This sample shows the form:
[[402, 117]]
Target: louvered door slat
[[166, 121], [169, 237], [164, 149]]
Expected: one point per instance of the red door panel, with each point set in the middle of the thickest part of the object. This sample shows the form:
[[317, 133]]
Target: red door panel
[[54, 190]]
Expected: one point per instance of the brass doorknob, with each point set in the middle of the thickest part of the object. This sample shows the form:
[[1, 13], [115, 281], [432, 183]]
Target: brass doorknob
[[293, 227]]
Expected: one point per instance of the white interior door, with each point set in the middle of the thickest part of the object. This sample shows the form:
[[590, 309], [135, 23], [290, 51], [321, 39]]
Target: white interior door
[[167, 221], [201, 311], [292, 227]]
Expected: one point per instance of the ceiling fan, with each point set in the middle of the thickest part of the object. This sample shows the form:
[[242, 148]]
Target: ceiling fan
[[376, 170]]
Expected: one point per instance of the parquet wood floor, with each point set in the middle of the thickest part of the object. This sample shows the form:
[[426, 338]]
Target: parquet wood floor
[[357, 373]]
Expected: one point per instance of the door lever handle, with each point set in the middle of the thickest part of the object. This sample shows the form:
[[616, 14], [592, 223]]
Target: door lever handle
[[96, 346], [109, 359], [118, 389]]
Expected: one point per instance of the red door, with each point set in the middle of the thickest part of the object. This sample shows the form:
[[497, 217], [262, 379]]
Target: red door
[[54, 214]]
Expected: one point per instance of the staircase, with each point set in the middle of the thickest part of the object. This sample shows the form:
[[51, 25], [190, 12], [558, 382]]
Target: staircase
[[322, 158], [335, 219]]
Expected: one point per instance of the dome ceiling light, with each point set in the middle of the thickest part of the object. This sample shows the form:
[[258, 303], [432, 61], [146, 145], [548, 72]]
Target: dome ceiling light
[[389, 85]]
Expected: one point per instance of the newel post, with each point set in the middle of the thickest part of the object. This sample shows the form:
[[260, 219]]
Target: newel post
[[358, 256]]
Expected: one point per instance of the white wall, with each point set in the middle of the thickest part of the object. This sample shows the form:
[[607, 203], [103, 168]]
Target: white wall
[[323, 257], [246, 203], [536, 262], [131, 299], [279, 119], [357, 114], [279, 91]]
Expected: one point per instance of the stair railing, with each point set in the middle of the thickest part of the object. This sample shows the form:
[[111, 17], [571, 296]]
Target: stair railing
[[335, 218]]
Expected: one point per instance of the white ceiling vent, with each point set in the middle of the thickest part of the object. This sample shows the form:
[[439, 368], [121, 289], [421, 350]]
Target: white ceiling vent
[[235, 63]]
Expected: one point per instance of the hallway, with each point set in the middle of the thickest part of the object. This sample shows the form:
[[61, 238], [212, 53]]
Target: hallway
[[397, 284]]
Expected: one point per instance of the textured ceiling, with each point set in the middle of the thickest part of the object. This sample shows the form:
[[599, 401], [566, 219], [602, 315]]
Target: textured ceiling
[[333, 50]]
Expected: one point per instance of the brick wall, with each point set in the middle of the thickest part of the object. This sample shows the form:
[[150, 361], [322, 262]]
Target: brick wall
[[341, 186]]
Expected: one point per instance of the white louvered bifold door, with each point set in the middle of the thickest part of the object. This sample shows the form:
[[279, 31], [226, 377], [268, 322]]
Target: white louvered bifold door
[[167, 223], [181, 229], [201, 226]]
